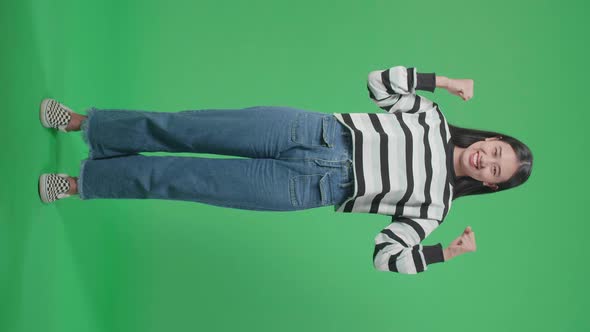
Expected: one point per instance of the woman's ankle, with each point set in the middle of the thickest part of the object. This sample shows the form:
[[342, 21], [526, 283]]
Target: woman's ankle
[[75, 122], [73, 185]]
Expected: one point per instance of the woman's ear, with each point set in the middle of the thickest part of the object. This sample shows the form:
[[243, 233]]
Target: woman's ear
[[491, 185]]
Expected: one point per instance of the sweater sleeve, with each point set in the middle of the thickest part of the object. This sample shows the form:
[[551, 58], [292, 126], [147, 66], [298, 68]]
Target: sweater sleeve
[[398, 247], [394, 89]]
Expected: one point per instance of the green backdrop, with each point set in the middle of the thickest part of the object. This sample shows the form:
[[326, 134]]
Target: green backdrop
[[156, 265]]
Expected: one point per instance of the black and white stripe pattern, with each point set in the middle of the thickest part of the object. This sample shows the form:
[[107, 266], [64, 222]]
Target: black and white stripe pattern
[[403, 165]]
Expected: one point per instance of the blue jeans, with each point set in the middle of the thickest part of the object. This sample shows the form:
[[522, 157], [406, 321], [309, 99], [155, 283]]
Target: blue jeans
[[295, 159]]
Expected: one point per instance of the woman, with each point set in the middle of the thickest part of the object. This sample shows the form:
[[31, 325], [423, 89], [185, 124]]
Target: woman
[[406, 162]]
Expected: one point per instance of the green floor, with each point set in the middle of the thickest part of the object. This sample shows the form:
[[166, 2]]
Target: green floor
[[155, 265]]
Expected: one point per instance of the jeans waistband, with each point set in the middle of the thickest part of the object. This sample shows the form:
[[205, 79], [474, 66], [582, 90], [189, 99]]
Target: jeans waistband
[[347, 136]]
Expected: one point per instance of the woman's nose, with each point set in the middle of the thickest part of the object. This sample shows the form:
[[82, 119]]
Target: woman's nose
[[484, 160]]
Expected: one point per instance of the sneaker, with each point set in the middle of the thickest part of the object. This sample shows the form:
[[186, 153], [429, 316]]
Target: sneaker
[[53, 187], [54, 114]]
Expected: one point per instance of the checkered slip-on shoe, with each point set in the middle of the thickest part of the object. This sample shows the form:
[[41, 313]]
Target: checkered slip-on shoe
[[54, 114], [53, 187]]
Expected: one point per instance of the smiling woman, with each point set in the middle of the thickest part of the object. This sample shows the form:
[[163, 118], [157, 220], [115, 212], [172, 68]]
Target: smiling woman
[[407, 162], [487, 161]]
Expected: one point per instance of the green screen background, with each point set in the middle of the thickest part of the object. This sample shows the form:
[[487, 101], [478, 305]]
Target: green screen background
[[156, 265]]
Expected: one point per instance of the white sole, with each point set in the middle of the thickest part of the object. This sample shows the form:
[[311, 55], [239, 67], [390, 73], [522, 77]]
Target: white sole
[[43, 188], [43, 114]]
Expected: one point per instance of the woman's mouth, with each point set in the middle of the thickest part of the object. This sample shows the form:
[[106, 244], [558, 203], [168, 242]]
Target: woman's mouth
[[473, 160]]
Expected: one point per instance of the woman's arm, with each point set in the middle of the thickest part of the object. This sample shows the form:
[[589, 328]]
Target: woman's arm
[[442, 82], [394, 89], [398, 246]]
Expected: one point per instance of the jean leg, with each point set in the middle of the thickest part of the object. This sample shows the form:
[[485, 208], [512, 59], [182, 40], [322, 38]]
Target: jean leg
[[254, 132], [252, 184]]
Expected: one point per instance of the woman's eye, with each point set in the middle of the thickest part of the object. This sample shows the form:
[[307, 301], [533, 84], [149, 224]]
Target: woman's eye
[[496, 152]]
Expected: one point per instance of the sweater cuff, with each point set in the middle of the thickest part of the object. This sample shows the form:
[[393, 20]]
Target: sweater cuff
[[433, 254], [426, 81]]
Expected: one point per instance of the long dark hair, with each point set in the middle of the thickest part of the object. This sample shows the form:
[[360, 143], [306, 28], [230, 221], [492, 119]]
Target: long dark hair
[[465, 185]]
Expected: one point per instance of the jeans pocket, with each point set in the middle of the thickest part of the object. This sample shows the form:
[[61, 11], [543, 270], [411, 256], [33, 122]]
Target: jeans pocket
[[309, 191], [313, 129]]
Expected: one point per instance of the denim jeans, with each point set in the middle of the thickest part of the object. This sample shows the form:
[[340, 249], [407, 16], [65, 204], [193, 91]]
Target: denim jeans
[[295, 159]]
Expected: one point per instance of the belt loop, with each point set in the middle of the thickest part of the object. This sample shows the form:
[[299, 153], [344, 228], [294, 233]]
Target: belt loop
[[328, 129]]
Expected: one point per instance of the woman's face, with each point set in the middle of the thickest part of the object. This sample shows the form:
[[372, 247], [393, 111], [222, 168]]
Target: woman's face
[[491, 161]]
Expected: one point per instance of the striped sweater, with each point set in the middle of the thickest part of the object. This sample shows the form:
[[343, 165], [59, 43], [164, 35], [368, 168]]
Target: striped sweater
[[403, 167]]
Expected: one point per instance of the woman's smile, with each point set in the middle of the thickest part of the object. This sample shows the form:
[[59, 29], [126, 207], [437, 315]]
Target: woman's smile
[[475, 160]]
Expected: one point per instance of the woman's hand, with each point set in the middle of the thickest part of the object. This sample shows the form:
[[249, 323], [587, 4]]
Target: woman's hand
[[462, 87], [464, 243]]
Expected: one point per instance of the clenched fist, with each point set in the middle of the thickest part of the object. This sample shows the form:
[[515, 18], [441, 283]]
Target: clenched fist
[[464, 243], [462, 87]]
